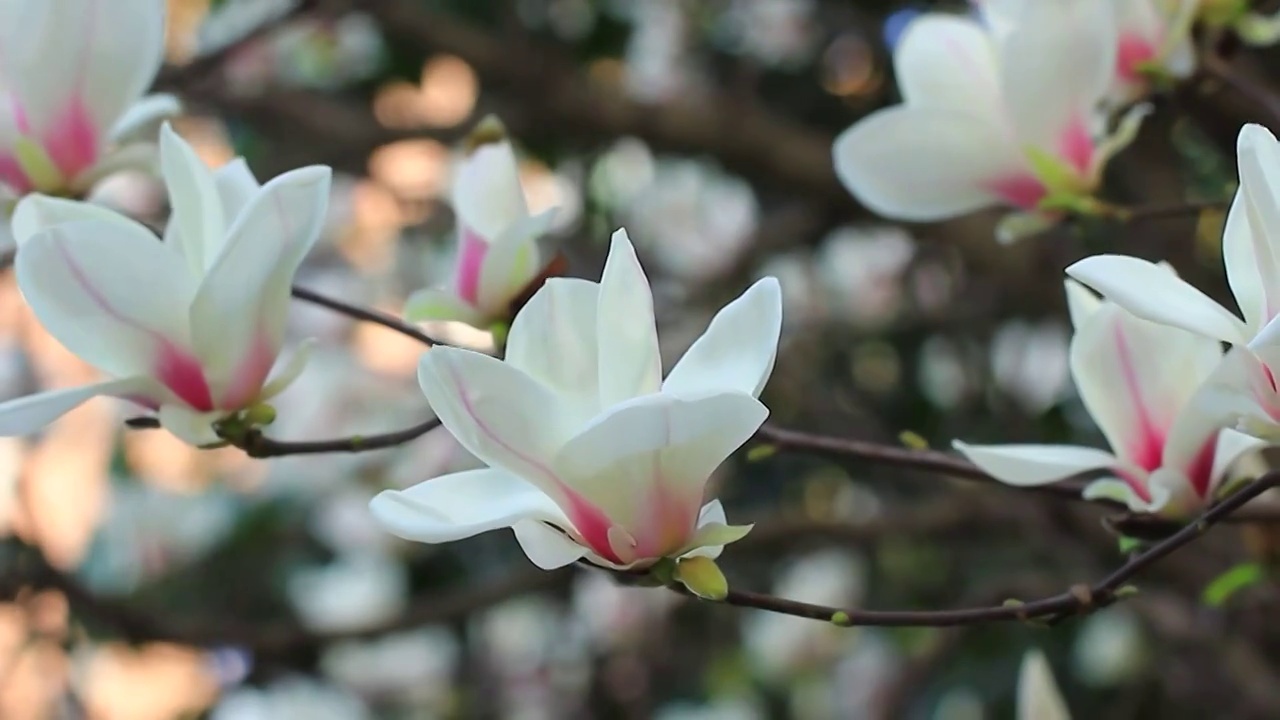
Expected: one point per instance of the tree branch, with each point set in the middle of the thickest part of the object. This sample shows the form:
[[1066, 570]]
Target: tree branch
[[1079, 600]]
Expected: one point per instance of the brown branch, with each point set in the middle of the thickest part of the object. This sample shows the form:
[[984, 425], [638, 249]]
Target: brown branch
[[1143, 213], [944, 463], [1214, 66], [257, 445], [272, 641], [1079, 600], [367, 315]]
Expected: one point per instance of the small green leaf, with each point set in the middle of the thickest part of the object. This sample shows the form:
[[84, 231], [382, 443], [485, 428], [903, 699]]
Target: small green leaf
[[913, 440], [1220, 590], [760, 452], [1129, 544], [703, 578]]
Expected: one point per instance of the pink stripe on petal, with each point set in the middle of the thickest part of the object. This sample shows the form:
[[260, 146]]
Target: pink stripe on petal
[[590, 524], [470, 260], [668, 524], [1147, 448], [250, 374], [1076, 145], [1137, 484], [72, 140], [1200, 469], [1020, 191], [1132, 51], [182, 373]]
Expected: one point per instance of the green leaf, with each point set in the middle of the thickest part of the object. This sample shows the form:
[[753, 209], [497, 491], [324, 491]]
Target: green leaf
[[1220, 590], [1129, 544]]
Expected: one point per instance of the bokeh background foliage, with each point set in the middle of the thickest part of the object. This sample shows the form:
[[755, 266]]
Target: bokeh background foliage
[[235, 589]]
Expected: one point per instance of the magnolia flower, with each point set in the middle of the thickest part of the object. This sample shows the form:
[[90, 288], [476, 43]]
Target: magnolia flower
[[1136, 378], [1038, 694], [501, 250], [1153, 38], [991, 116], [591, 453], [75, 72], [189, 328], [1250, 251]]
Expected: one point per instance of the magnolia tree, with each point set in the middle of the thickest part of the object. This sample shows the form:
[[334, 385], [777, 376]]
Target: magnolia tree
[[589, 446]]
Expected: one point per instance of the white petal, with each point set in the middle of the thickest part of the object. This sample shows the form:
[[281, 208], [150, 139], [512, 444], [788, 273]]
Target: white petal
[[1135, 377], [629, 363], [546, 547], [26, 415], [512, 262], [926, 163], [615, 462], [291, 370], [486, 191], [110, 294], [1056, 67], [107, 52], [244, 297], [1118, 491], [1081, 302], [502, 416], [462, 505], [430, 304], [190, 426], [738, 349], [143, 157], [1246, 271], [1231, 447], [36, 212], [1257, 152], [236, 186], [197, 219], [1032, 465], [1152, 292], [553, 340], [141, 120], [1038, 695], [948, 61]]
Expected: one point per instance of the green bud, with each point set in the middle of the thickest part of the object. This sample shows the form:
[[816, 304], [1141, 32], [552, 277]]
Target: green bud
[[259, 415], [761, 452], [841, 619]]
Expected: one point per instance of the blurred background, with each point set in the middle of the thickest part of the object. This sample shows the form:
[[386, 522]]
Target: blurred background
[[209, 585]]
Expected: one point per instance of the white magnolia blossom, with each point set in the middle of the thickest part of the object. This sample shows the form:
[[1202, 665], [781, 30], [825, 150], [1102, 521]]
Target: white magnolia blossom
[[590, 452], [190, 327], [1038, 694], [1153, 37], [1137, 379], [991, 115], [1250, 250], [74, 76], [502, 249]]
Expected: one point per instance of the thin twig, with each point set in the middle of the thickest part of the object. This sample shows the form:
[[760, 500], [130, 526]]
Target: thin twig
[[367, 315], [1079, 600], [1219, 69], [257, 445], [1143, 213], [955, 466]]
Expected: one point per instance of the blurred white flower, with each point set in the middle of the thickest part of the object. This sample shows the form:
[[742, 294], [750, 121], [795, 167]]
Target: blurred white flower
[[944, 376], [658, 62], [615, 615], [863, 675], [1110, 649], [149, 531], [622, 172], [694, 219], [234, 19], [354, 591], [776, 32], [1029, 362], [861, 272], [342, 521], [292, 698], [781, 647], [417, 666]]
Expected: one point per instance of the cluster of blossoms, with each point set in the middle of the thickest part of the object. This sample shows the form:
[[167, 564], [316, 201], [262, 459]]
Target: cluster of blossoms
[[590, 452], [1021, 106]]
